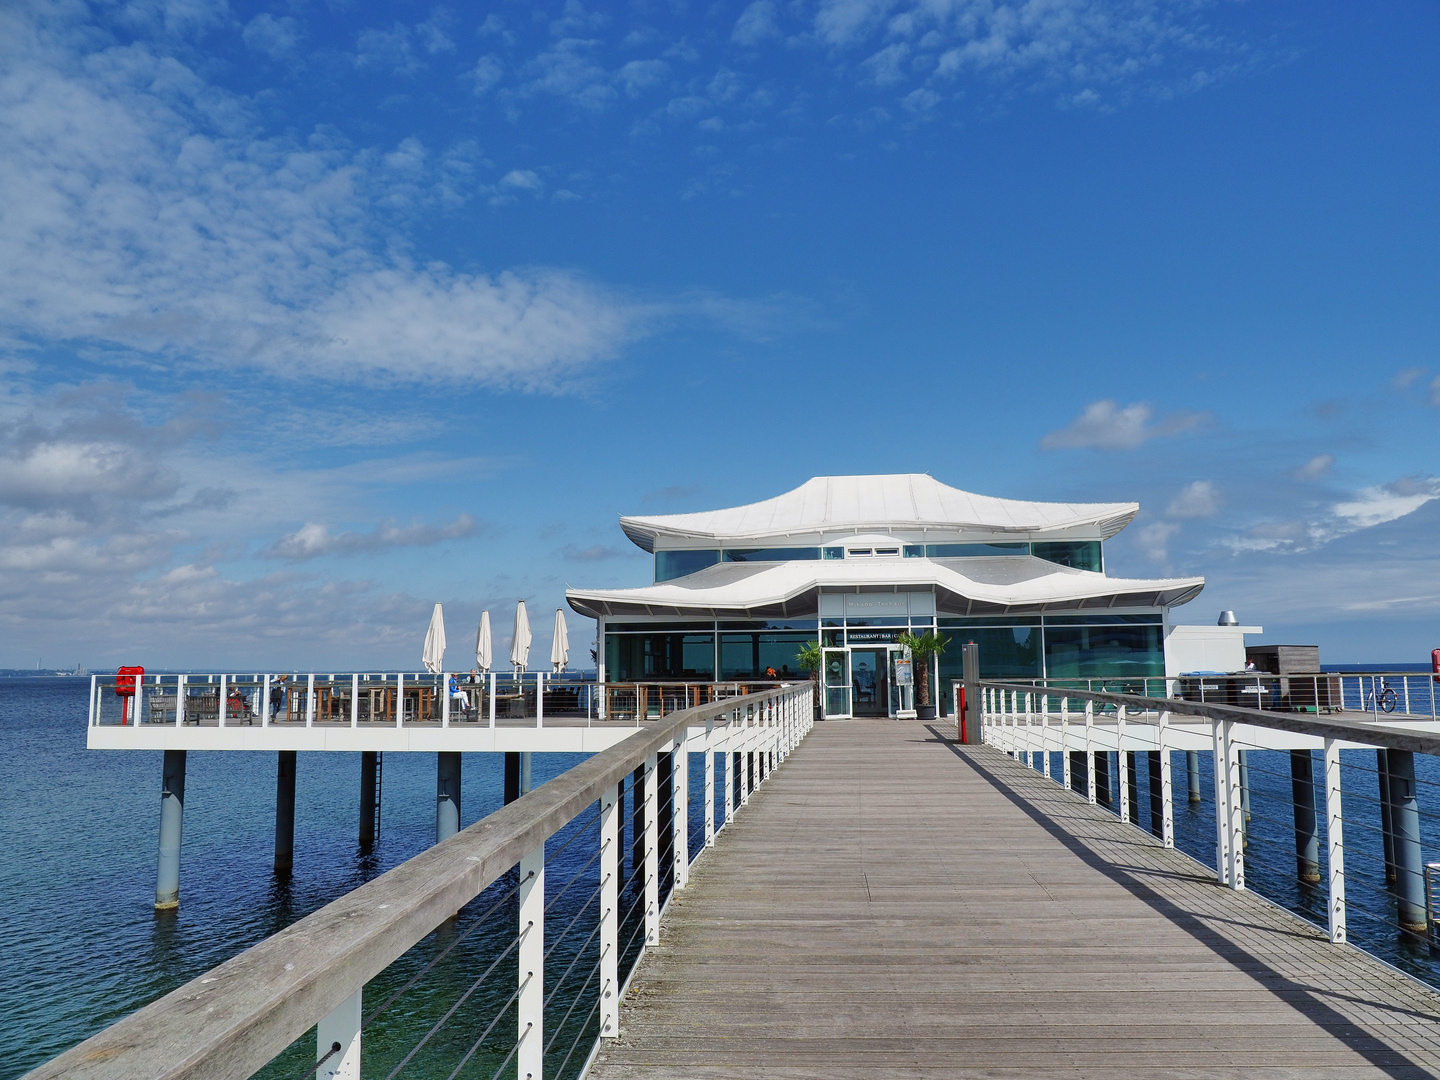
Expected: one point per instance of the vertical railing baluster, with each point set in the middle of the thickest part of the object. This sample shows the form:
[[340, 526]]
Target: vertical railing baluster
[[729, 770], [530, 1005], [309, 698], [340, 1028], [709, 782], [1222, 814], [609, 914], [652, 852], [1120, 768], [180, 700], [1167, 799], [680, 808], [355, 700], [222, 703], [1335, 843], [1065, 769], [1045, 735], [1090, 792]]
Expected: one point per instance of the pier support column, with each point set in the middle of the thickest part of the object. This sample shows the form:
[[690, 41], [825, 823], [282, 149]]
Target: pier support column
[[447, 794], [1405, 820], [172, 813], [526, 759], [1079, 782], [1192, 775], [1102, 777], [1157, 797], [369, 796], [512, 776], [1387, 825], [1307, 836], [285, 812], [1244, 756]]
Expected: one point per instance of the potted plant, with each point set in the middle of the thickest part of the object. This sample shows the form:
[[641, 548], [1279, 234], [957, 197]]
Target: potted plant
[[922, 647], [810, 658]]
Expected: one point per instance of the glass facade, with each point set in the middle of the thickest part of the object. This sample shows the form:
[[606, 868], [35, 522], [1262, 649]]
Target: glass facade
[[971, 551], [1081, 554], [754, 656], [659, 656], [1085, 652], [801, 554], [673, 564], [687, 652]]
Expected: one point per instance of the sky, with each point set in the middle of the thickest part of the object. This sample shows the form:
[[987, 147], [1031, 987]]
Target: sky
[[314, 314]]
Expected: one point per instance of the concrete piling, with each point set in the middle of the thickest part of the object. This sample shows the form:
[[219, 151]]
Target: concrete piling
[[1307, 836], [1132, 778], [172, 814], [447, 794], [285, 812], [1157, 796], [369, 796], [1079, 778], [1102, 777], [1387, 827], [1409, 859], [1192, 774], [512, 776]]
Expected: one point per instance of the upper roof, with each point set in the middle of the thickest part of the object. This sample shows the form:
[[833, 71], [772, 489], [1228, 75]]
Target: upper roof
[[901, 502], [998, 585]]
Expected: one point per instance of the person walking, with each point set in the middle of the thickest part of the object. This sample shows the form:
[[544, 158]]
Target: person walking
[[277, 695]]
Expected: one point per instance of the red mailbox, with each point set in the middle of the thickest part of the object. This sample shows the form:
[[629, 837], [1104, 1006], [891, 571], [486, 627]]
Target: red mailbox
[[125, 690]]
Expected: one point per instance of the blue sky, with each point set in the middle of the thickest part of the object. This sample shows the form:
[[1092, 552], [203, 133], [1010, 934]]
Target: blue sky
[[314, 314]]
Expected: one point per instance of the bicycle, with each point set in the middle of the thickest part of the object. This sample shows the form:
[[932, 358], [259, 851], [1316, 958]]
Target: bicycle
[[1384, 700]]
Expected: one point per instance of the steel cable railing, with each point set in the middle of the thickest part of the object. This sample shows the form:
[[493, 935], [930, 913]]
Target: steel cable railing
[[567, 961], [1372, 803]]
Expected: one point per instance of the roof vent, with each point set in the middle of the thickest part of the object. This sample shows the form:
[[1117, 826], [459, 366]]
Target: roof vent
[[1227, 618]]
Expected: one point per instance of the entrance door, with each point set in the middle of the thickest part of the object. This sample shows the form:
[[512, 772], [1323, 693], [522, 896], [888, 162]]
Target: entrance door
[[837, 683], [870, 682]]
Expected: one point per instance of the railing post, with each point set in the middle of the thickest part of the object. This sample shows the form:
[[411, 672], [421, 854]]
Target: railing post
[[609, 913], [1235, 851], [492, 699], [1222, 813], [90, 713], [1335, 842], [341, 1028], [355, 700], [399, 700], [1120, 765], [709, 783], [530, 1005], [445, 705], [680, 808], [652, 851], [1090, 751], [1065, 770], [139, 698], [540, 699], [1044, 735], [180, 699], [309, 697], [1167, 788], [730, 771]]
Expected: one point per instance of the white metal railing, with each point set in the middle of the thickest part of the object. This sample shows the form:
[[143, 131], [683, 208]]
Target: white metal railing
[[1083, 727], [1410, 693], [236, 1018], [231, 699]]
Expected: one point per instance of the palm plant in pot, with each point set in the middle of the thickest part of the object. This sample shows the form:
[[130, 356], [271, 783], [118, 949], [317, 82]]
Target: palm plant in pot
[[810, 658], [922, 648]]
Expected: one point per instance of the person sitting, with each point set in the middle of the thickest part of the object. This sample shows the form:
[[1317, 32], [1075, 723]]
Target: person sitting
[[458, 697]]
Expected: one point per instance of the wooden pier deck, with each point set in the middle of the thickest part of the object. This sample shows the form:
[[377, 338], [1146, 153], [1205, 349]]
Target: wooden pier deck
[[893, 905]]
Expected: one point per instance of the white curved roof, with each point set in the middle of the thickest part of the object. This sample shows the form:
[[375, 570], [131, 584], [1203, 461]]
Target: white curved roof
[[831, 506], [994, 585]]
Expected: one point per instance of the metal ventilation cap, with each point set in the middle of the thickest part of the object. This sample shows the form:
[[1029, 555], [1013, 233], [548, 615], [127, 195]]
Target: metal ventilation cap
[[1227, 618]]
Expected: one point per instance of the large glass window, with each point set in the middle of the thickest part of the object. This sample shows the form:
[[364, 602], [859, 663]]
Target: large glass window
[[1006, 652], [659, 656], [673, 564], [750, 656], [1097, 652], [1081, 554], [972, 551], [799, 554]]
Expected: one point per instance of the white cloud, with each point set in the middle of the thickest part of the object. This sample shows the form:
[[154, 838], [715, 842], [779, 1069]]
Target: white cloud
[[1315, 468], [274, 37], [1377, 505], [887, 67], [147, 215], [1104, 425], [313, 540], [755, 24], [1153, 540], [487, 72], [1405, 379], [640, 75], [1435, 391], [1199, 499]]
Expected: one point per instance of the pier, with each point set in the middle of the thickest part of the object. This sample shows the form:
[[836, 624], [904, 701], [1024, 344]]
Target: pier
[[873, 897]]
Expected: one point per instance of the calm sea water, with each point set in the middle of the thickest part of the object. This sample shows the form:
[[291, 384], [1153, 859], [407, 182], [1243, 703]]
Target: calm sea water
[[80, 942], [81, 946]]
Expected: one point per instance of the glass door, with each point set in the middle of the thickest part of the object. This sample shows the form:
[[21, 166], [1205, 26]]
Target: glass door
[[837, 683], [870, 681]]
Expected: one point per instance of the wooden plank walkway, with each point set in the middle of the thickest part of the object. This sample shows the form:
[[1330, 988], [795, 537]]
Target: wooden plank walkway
[[893, 905]]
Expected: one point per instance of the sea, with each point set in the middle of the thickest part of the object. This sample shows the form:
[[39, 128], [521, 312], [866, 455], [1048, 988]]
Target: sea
[[81, 945]]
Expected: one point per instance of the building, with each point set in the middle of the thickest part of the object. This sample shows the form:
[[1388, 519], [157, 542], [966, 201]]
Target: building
[[855, 561]]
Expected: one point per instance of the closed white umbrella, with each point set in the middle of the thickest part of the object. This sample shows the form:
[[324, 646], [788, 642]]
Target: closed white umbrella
[[520, 643], [482, 643], [560, 647], [434, 655]]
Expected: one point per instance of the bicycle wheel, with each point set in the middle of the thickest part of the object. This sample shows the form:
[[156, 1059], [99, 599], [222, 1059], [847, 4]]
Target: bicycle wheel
[[1388, 700]]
